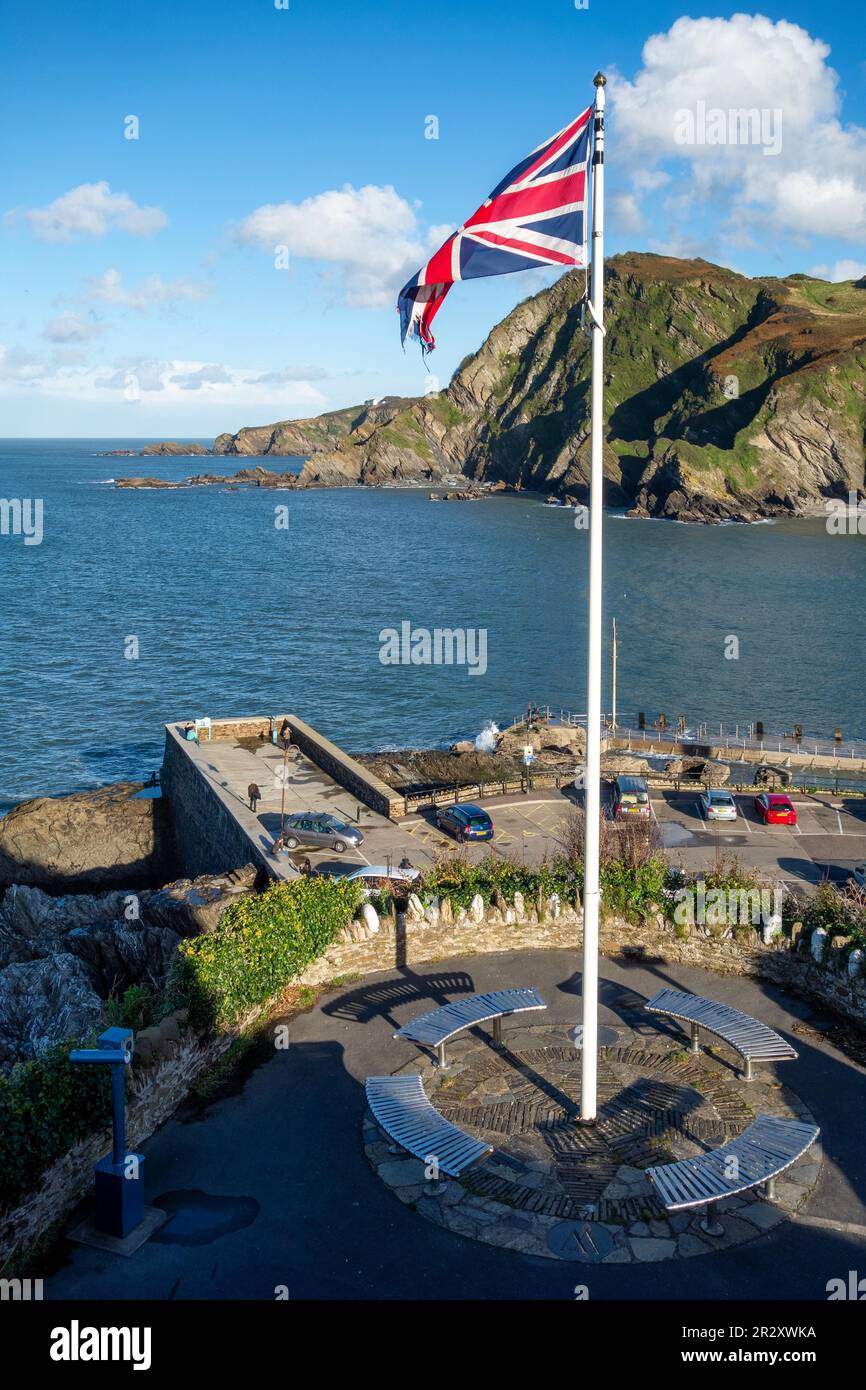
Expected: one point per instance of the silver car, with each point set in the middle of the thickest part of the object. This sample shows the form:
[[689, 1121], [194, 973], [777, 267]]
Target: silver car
[[374, 877], [320, 830], [718, 805]]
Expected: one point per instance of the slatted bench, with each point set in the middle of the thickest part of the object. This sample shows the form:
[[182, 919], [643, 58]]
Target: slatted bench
[[755, 1157], [754, 1041], [401, 1107], [436, 1027]]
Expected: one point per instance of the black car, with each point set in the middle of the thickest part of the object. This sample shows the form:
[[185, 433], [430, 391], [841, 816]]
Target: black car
[[465, 822]]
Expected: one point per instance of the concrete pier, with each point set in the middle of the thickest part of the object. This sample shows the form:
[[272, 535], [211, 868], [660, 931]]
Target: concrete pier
[[205, 785]]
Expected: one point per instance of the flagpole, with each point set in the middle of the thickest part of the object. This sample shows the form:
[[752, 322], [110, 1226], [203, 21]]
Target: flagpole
[[591, 892]]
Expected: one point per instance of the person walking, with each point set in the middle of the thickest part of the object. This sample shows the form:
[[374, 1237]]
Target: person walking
[[254, 795]]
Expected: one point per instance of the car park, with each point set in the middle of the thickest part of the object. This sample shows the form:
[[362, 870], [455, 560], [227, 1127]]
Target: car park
[[775, 808], [465, 822], [718, 805], [319, 830]]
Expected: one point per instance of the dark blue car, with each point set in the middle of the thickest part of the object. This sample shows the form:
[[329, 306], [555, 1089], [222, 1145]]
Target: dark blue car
[[465, 822]]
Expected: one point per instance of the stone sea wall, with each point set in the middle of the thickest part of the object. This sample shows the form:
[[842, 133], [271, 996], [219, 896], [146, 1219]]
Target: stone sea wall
[[208, 839]]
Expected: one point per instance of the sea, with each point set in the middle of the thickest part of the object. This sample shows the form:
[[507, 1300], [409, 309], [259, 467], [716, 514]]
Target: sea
[[141, 607]]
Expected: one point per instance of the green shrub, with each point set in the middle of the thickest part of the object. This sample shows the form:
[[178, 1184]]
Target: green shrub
[[841, 912], [635, 890], [136, 1008], [46, 1106], [632, 889], [262, 944]]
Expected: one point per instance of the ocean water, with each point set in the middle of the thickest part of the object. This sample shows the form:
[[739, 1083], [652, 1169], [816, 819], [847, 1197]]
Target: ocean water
[[231, 614]]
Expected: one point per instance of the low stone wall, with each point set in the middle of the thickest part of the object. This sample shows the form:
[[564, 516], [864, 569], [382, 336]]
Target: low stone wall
[[368, 788], [155, 1093], [820, 967]]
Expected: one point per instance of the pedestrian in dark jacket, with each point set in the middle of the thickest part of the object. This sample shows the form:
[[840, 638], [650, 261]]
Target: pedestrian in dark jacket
[[254, 795]]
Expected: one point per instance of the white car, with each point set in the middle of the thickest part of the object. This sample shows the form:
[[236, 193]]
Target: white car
[[718, 805], [376, 876]]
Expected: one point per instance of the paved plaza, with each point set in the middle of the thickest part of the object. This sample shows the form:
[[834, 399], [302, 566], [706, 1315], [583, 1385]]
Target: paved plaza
[[270, 1185]]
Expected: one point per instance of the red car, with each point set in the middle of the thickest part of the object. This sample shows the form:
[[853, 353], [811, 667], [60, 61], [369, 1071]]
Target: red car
[[775, 809]]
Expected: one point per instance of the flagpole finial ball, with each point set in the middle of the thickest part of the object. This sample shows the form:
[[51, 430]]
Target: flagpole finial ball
[[599, 80]]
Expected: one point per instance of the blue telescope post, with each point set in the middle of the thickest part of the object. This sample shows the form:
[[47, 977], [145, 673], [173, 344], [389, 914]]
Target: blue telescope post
[[119, 1175]]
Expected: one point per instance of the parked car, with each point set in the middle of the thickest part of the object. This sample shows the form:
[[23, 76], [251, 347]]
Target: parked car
[[631, 798], [465, 822], [859, 875], [718, 805], [774, 808], [375, 877], [321, 831]]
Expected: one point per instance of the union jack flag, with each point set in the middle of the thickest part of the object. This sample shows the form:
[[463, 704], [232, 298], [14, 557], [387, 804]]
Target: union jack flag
[[535, 217]]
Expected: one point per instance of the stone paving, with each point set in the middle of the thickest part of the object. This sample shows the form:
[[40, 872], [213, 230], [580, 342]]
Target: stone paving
[[564, 1191]]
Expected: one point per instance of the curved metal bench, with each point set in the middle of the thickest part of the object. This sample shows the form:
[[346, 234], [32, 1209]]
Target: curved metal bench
[[754, 1041], [436, 1027], [758, 1155], [401, 1107]]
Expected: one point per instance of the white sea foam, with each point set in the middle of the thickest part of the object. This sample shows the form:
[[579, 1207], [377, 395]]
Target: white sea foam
[[486, 740]]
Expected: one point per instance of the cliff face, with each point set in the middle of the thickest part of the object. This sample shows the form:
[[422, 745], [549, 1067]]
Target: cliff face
[[724, 397]]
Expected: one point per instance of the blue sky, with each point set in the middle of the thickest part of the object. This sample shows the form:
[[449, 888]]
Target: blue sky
[[141, 296]]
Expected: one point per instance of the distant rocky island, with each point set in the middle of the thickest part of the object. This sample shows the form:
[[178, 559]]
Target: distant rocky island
[[726, 398], [168, 450]]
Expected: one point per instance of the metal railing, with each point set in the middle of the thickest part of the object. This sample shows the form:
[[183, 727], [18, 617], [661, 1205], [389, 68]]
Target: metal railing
[[742, 737]]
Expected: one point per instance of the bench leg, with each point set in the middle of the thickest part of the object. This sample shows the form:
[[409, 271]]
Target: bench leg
[[696, 1046], [747, 1073], [497, 1032], [770, 1189], [440, 1052], [709, 1222]]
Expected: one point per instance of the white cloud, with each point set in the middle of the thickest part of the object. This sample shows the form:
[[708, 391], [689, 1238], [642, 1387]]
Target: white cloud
[[815, 184], [109, 288], [371, 233], [154, 382], [625, 212], [18, 365], [286, 374], [92, 209], [211, 374], [71, 328], [842, 270]]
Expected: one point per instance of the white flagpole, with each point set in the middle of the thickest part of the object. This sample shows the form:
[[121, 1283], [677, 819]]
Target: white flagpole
[[591, 892]]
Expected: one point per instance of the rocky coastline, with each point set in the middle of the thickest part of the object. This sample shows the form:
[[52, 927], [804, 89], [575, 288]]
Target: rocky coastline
[[726, 399], [90, 907]]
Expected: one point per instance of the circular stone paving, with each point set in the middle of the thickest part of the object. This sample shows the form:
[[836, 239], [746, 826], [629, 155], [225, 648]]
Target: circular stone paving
[[556, 1188]]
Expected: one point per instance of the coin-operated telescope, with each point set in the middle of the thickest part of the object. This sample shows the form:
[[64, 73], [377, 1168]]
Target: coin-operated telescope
[[119, 1175]]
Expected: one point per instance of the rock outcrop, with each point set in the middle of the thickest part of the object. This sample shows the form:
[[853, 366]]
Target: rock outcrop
[[695, 769], [191, 907], [43, 1002], [61, 957], [108, 838]]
